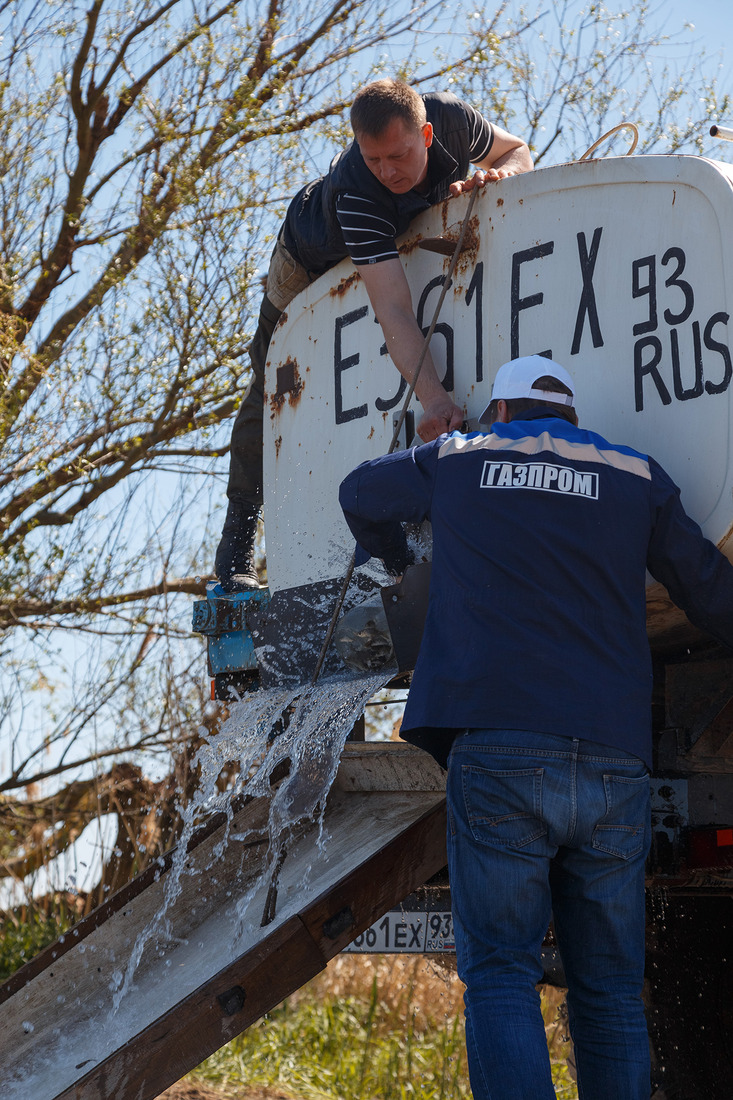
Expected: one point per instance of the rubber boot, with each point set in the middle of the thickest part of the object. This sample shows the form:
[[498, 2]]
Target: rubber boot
[[234, 563]]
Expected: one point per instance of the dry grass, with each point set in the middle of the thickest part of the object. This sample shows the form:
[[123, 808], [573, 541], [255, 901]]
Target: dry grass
[[192, 1090], [423, 988], [419, 988], [416, 995]]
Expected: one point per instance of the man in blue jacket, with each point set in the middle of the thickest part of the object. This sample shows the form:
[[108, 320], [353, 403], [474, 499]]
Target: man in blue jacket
[[410, 151], [533, 685]]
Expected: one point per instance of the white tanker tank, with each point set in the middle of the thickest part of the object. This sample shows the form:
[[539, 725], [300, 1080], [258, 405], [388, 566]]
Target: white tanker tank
[[617, 268]]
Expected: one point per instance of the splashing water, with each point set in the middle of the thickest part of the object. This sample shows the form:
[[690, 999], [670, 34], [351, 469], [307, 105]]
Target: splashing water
[[285, 745]]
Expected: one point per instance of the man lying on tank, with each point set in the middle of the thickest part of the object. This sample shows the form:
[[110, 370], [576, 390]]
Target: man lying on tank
[[409, 152], [533, 686]]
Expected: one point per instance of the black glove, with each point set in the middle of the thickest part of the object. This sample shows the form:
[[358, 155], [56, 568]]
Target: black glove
[[397, 560]]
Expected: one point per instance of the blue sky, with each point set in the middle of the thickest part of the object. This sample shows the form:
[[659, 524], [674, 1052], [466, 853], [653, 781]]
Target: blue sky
[[712, 19]]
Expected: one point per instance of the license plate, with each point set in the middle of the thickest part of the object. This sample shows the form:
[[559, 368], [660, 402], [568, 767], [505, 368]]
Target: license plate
[[401, 932]]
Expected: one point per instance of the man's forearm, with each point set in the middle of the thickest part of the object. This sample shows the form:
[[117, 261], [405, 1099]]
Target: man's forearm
[[516, 160], [390, 296], [405, 342]]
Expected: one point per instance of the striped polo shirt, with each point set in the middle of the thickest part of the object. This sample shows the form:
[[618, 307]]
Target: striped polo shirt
[[368, 228]]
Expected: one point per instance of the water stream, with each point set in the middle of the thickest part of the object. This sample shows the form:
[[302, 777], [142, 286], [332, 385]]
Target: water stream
[[296, 733], [282, 747]]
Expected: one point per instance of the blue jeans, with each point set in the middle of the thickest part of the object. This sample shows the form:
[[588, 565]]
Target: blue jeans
[[541, 826]]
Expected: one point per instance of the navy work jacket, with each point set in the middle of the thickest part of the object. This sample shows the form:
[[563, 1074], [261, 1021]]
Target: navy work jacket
[[542, 535]]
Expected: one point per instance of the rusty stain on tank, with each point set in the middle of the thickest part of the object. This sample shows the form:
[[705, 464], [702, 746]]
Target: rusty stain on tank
[[499, 202], [445, 244], [278, 445], [470, 250], [473, 238], [344, 285], [289, 385], [409, 246]]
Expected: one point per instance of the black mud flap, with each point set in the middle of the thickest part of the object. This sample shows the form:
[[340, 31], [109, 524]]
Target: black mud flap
[[406, 607], [289, 638]]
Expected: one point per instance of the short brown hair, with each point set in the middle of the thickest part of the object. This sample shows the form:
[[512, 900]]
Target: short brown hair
[[517, 405], [377, 104]]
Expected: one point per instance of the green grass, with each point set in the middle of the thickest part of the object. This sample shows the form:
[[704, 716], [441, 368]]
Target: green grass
[[334, 1049], [26, 931], [323, 1047]]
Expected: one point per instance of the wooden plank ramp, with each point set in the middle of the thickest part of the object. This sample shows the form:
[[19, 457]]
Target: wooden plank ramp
[[208, 971]]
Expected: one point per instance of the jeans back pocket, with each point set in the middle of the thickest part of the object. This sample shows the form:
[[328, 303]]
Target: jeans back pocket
[[503, 807], [622, 831]]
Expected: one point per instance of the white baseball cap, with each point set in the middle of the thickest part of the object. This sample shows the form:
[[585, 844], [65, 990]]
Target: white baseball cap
[[517, 378]]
